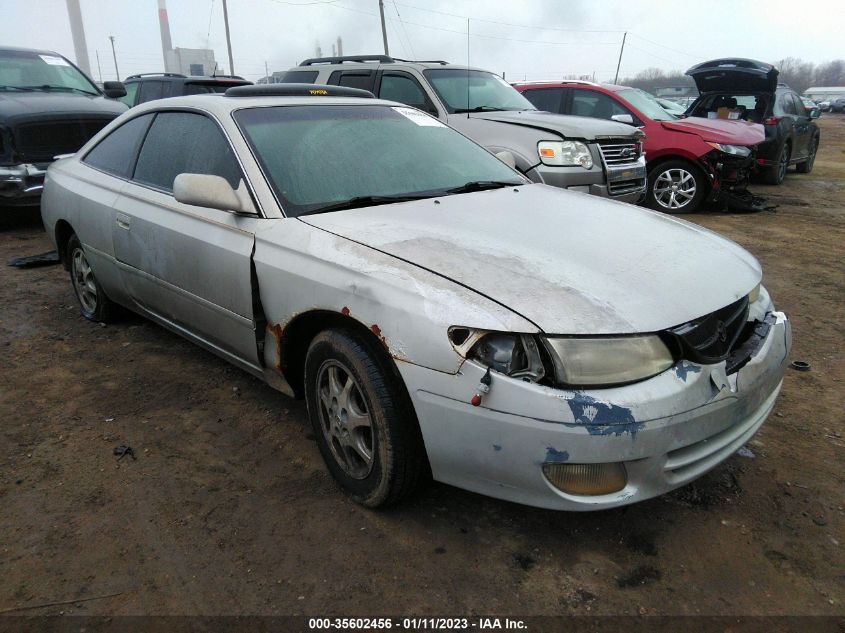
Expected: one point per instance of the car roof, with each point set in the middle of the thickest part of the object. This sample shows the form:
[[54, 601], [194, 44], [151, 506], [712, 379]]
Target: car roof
[[19, 49], [351, 62], [184, 78], [569, 83]]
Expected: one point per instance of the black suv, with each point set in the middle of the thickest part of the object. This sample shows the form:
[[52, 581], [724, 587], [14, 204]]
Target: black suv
[[748, 90], [48, 107], [152, 86]]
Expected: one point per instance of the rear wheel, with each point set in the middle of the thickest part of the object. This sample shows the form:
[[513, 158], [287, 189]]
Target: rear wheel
[[775, 174], [93, 302], [675, 186], [363, 420], [807, 166]]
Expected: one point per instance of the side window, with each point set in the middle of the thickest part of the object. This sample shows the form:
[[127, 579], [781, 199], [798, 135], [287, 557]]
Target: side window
[[594, 104], [799, 105], [150, 90], [362, 79], [405, 89], [116, 153], [547, 99], [184, 142], [300, 77], [787, 104], [131, 91]]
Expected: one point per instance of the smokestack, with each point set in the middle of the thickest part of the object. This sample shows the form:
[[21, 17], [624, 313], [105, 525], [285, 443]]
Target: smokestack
[[164, 27], [77, 31], [339, 47]]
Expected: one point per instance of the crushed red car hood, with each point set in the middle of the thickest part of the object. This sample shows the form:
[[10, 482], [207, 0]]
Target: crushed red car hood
[[720, 130]]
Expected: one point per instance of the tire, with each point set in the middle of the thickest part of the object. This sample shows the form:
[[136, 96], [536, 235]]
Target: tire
[[807, 166], [94, 305], [775, 175], [366, 429], [676, 186]]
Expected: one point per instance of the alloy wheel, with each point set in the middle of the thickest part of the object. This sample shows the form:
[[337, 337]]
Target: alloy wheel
[[83, 281], [345, 419], [674, 188], [783, 163]]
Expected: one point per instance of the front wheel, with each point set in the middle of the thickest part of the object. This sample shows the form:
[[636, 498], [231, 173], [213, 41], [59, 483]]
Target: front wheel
[[675, 187], [807, 166], [93, 302], [363, 420]]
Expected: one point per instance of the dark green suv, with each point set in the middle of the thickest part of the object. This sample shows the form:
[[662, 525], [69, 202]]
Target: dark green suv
[[152, 86]]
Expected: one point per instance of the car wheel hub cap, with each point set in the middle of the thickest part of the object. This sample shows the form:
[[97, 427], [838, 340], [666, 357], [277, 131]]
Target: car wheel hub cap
[[674, 188], [83, 281], [345, 420]]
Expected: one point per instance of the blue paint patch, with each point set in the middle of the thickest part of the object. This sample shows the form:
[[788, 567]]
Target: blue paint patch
[[554, 455], [496, 447], [602, 418], [684, 368]]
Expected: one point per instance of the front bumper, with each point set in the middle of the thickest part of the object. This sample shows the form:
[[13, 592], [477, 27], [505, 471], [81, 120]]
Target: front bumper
[[21, 184], [728, 175], [626, 183], [667, 430]]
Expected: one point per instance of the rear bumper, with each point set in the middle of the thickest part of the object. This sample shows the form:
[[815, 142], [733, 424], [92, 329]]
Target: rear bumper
[[21, 185], [667, 430]]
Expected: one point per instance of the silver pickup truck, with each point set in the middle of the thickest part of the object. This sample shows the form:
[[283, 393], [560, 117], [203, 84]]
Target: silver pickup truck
[[594, 156]]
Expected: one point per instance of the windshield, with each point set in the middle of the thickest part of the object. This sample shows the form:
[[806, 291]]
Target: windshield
[[485, 92], [25, 70], [319, 156], [646, 104]]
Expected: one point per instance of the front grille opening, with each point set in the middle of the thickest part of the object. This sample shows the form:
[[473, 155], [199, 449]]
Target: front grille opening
[[619, 151], [711, 338]]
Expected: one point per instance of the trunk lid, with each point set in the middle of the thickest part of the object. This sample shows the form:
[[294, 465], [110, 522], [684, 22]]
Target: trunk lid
[[734, 75]]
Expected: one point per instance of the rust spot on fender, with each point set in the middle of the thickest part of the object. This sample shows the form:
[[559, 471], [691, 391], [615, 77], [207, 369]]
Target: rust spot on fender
[[345, 311], [276, 332], [377, 331]]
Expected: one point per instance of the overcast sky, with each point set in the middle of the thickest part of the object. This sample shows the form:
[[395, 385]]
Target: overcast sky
[[542, 38]]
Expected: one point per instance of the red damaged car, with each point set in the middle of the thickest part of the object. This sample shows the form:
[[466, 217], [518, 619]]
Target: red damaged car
[[689, 160]]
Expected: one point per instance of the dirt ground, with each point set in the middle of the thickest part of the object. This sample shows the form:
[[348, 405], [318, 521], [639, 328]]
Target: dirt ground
[[229, 509]]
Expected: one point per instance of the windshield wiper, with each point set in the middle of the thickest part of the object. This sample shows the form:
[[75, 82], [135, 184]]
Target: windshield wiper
[[21, 88], [483, 185], [481, 108], [50, 88], [364, 201]]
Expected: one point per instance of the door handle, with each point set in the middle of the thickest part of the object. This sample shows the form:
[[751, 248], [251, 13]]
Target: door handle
[[122, 221]]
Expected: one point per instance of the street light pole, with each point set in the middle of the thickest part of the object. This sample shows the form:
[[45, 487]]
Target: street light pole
[[228, 39], [114, 55], [383, 27], [619, 63]]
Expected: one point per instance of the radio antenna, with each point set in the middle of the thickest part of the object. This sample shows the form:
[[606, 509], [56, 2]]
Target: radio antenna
[[467, 67]]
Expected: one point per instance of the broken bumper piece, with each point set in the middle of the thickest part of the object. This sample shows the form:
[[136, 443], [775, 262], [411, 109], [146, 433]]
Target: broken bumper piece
[[642, 440], [21, 184]]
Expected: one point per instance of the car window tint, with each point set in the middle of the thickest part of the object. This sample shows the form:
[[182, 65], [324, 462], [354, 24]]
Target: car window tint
[[184, 143], [150, 90], [116, 152], [547, 99], [405, 89], [364, 81], [131, 91], [300, 77], [594, 104], [799, 105], [787, 105]]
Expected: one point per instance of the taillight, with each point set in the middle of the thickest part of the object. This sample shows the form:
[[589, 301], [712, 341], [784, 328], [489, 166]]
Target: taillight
[[772, 120]]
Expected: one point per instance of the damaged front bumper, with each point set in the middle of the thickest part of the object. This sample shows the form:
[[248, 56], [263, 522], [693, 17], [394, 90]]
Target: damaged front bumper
[[625, 183], [665, 431], [21, 184], [728, 175]]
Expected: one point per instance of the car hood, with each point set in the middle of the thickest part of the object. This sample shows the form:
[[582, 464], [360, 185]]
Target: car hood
[[28, 105], [720, 130], [576, 127], [570, 263], [734, 75]]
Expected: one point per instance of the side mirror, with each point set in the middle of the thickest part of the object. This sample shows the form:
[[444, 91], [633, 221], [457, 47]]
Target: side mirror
[[815, 113], [507, 158], [114, 89], [623, 118], [213, 192]]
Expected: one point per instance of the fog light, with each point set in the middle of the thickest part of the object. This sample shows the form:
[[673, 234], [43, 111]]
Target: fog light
[[586, 479]]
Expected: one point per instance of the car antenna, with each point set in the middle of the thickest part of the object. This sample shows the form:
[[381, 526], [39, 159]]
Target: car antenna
[[467, 67]]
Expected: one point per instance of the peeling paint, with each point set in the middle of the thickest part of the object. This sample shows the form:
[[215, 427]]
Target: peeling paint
[[275, 331], [554, 455], [377, 331], [602, 418], [496, 447], [684, 368]]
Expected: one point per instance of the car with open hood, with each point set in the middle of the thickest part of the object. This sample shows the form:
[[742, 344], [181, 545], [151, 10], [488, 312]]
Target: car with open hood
[[440, 313], [689, 161], [602, 158], [48, 107], [748, 90]]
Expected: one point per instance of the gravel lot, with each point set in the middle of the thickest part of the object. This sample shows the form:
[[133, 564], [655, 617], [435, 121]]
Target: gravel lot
[[229, 510]]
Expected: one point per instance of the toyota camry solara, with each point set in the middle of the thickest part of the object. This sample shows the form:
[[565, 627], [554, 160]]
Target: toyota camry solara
[[441, 315]]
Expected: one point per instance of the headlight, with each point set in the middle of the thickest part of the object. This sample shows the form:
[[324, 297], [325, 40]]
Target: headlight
[[515, 355], [733, 150], [607, 360], [565, 154]]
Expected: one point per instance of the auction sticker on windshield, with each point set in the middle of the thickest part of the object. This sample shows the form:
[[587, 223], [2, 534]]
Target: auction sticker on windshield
[[53, 60], [420, 118]]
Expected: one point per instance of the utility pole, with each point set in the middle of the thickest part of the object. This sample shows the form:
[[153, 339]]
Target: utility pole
[[228, 39], [618, 64], [383, 27], [99, 70], [114, 55]]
